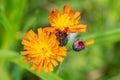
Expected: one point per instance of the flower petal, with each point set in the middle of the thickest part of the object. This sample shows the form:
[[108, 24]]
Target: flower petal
[[54, 62], [89, 42]]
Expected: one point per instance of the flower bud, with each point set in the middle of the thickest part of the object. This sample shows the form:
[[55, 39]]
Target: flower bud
[[78, 45], [62, 37]]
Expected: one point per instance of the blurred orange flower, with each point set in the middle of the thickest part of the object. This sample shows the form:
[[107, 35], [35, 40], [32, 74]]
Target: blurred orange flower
[[67, 20], [42, 50]]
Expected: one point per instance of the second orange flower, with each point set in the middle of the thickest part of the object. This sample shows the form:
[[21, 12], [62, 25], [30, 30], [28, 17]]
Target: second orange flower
[[67, 20]]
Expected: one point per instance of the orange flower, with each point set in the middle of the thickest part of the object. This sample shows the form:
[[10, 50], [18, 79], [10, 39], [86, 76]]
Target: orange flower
[[42, 50], [67, 20]]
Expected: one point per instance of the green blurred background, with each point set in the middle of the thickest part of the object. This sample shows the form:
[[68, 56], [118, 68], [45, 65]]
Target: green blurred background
[[100, 61]]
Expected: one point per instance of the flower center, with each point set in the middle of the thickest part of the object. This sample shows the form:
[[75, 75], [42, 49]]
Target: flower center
[[43, 50]]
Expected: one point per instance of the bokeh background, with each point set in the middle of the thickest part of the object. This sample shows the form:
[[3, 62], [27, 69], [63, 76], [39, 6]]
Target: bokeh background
[[100, 61]]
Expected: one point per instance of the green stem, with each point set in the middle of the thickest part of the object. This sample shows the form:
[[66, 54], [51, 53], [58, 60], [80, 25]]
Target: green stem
[[60, 67]]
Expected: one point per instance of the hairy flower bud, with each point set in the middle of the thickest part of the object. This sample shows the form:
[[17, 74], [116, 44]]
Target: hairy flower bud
[[62, 37], [78, 45]]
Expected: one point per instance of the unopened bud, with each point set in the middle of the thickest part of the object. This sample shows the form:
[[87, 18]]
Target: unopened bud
[[62, 37], [78, 45]]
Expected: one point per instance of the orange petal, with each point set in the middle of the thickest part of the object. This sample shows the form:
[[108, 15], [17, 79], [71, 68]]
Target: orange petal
[[71, 13], [49, 29], [46, 69], [40, 32], [39, 68], [60, 59], [66, 9], [76, 15], [31, 35], [26, 59], [50, 67], [54, 62], [53, 13], [26, 43], [73, 30], [33, 67], [24, 52], [89, 42], [80, 26], [62, 51], [28, 48], [77, 28]]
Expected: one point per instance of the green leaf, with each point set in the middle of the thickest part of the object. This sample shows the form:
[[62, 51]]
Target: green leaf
[[4, 21], [17, 59]]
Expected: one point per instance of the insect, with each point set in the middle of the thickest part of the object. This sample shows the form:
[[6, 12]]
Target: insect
[[78, 45]]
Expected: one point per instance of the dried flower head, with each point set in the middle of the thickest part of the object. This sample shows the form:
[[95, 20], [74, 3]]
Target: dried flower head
[[62, 37]]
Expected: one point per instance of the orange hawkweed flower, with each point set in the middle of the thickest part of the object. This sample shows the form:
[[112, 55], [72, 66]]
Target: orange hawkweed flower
[[42, 50], [67, 20]]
